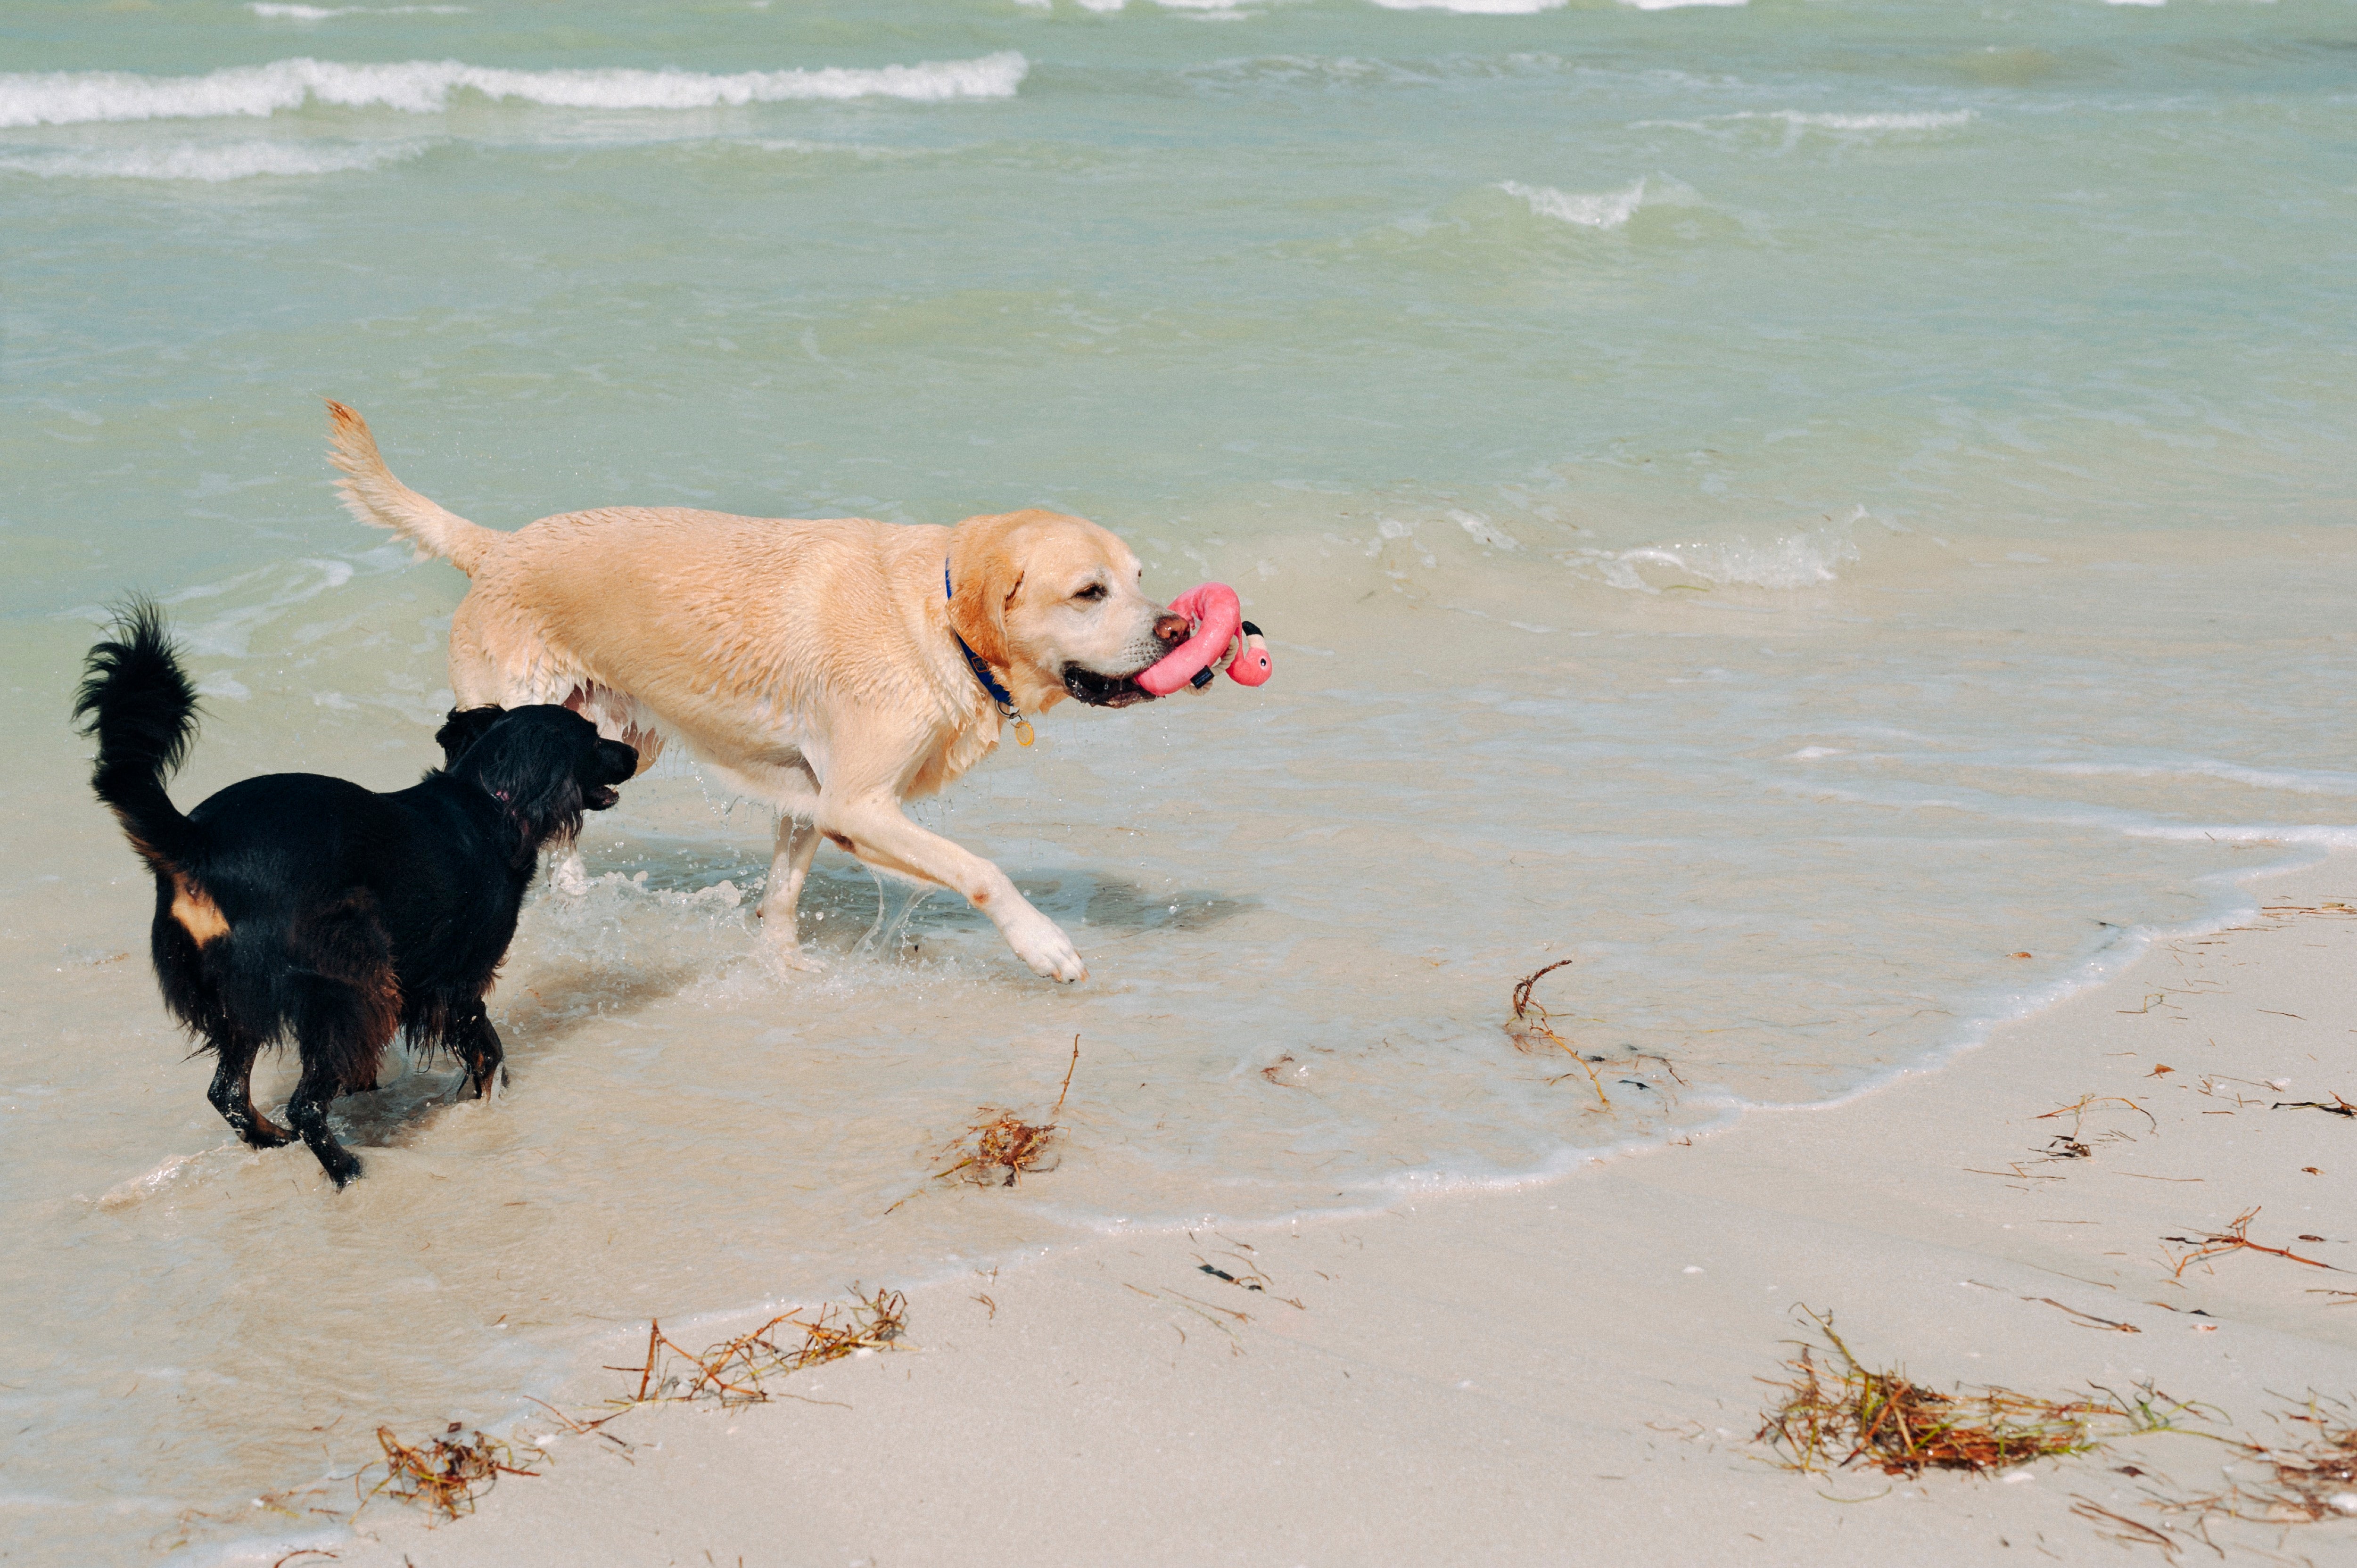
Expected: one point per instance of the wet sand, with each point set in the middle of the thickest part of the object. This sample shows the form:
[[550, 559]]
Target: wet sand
[[1568, 1372]]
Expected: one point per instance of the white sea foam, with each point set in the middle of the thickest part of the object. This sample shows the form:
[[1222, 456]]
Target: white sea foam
[[1111, 5], [1796, 121], [179, 1167], [1675, 5], [1939, 120], [211, 164], [2293, 780], [1484, 532], [282, 13], [1793, 561], [425, 87], [1609, 211], [1489, 7]]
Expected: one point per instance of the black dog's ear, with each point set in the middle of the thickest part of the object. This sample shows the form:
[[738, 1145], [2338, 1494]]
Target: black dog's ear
[[462, 728], [529, 762]]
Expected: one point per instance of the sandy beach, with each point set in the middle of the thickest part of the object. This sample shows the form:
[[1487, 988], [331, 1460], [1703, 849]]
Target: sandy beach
[[1570, 1372]]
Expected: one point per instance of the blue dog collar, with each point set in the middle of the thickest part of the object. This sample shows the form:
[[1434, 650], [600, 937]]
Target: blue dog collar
[[1000, 695]]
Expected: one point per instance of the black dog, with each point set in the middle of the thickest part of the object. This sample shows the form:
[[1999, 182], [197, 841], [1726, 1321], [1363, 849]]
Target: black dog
[[297, 904]]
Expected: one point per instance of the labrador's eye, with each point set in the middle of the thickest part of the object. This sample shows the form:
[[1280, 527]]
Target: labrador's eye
[[1092, 594]]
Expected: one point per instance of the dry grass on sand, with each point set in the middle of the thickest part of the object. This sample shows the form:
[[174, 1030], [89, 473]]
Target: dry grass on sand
[[1834, 1413], [445, 1475], [732, 1371]]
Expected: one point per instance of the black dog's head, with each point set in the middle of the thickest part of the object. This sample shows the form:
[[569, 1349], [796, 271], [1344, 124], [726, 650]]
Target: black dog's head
[[546, 764], [463, 728]]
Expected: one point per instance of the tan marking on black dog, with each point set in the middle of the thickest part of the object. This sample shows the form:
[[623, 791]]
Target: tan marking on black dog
[[195, 911]]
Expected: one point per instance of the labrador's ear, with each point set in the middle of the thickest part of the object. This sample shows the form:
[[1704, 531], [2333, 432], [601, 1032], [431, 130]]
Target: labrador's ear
[[986, 570]]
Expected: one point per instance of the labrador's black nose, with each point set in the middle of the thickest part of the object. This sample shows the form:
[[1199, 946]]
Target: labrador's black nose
[[1171, 630]]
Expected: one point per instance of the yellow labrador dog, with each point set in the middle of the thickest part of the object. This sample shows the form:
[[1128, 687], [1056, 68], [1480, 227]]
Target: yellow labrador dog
[[821, 667]]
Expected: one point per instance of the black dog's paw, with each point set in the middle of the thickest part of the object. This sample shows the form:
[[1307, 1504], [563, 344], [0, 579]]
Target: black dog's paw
[[257, 1131]]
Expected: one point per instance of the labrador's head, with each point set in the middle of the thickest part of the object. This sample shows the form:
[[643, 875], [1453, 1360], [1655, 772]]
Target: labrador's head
[[1056, 601]]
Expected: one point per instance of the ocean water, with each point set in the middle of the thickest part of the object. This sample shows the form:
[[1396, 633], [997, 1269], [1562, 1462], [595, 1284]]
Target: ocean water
[[1831, 517]]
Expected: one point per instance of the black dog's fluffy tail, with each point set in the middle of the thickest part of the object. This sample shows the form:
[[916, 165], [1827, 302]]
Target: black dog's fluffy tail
[[136, 700]]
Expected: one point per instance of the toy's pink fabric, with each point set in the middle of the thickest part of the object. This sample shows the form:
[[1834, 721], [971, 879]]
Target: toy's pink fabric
[[1218, 621], [1252, 665]]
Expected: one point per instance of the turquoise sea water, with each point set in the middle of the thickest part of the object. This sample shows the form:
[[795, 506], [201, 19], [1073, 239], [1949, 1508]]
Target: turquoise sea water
[[1791, 506]]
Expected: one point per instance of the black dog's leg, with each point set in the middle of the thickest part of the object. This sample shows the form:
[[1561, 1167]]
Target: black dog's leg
[[344, 1002], [233, 1094], [478, 1045], [308, 1111], [341, 1030]]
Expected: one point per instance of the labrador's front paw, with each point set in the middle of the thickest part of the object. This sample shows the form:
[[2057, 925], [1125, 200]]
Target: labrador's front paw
[[1049, 951], [782, 943], [794, 957]]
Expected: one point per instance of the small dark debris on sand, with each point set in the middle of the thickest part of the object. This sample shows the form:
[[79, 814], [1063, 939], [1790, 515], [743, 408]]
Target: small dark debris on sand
[[2339, 1106]]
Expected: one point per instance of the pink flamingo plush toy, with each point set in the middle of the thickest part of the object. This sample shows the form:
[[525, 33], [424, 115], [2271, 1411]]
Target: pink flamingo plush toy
[[1221, 633]]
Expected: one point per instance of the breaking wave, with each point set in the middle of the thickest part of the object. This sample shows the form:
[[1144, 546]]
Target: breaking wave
[[1931, 121], [211, 164], [425, 87], [1791, 561], [1611, 210], [1109, 5], [1796, 122], [284, 12], [1476, 7]]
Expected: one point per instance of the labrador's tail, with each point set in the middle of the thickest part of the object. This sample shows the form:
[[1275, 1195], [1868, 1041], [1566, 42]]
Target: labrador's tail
[[374, 496]]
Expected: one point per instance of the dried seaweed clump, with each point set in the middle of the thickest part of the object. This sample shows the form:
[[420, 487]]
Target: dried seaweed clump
[[1006, 1145], [1003, 1144], [442, 1474], [2316, 1480], [732, 1371], [2306, 1481], [1836, 1412]]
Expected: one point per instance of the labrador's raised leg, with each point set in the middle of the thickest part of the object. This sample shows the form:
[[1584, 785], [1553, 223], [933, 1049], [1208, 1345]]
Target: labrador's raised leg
[[872, 826]]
